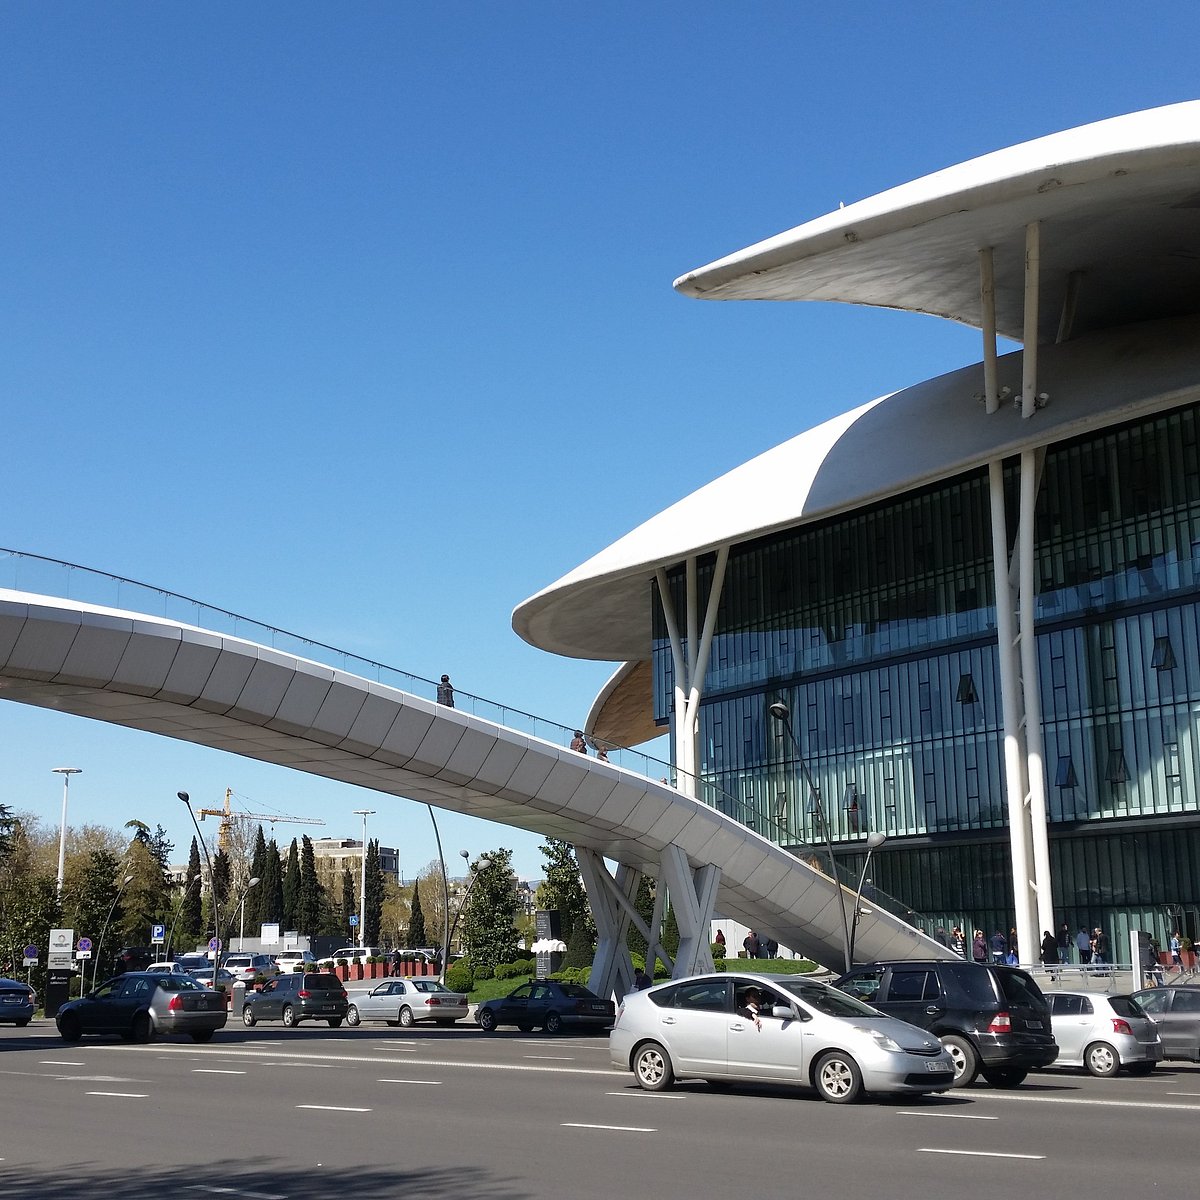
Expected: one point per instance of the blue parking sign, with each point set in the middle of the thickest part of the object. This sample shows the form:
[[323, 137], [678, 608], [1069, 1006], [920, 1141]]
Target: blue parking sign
[[158, 934]]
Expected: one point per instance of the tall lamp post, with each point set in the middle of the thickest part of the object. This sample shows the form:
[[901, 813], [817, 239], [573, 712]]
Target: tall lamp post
[[66, 773], [212, 881], [874, 841], [362, 880], [485, 861], [445, 896], [241, 905], [781, 713], [104, 929]]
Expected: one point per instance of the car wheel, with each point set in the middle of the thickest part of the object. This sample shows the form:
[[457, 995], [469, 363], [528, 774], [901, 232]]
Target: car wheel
[[553, 1023], [335, 1022], [289, 1015], [1005, 1077], [1141, 1068], [142, 1027], [202, 1035], [1101, 1060], [248, 1017], [69, 1028], [837, 1078], [352, 1017], [652, 1068], [406, 1017], [966, 1060], [487, 1020]]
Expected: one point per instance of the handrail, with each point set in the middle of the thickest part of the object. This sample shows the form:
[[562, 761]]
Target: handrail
[[26, 572]]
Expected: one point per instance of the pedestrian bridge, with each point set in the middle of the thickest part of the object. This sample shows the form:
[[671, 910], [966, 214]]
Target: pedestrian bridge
[[183, 681]]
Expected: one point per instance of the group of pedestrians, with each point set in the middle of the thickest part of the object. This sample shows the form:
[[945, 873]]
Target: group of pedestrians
[[757, 947]]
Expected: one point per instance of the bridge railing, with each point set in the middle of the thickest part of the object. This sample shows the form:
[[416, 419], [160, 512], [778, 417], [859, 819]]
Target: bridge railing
[[52, 577]]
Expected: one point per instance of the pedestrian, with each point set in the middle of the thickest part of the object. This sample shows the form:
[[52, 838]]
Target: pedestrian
[[940, 937], [1176, 951], [601, 754], [445, 692], [770, 948], [1012, 944], [979, 950], [999, 947], [577, 742], [958, 942], [720, 938], [641, 981], [1064, 944], [1152, 967], [1083, 946], [752, 945], [396, 960], [1100, 948], [1050, 953]]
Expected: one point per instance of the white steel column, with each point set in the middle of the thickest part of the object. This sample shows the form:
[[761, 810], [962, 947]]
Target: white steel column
[[693, 896], [1029, 351], [613, 910], [1010, 697], [1031, 689], [987, 305]]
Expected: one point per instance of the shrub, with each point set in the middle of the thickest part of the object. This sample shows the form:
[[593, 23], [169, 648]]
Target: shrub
[[483, 971], [718, 950], [578, 975], [510, 970], [460, 977]]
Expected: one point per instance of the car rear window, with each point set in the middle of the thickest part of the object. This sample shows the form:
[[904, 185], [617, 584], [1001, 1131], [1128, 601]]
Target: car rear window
[[975, 982], [1126, 1006], [322, 983], [576, 991], [1019, 989]]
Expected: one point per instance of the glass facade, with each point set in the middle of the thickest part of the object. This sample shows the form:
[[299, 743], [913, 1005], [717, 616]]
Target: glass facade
[[877, 629]]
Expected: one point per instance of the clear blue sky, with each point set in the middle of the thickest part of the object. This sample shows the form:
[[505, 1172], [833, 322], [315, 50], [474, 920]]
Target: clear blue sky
[[358, 320]]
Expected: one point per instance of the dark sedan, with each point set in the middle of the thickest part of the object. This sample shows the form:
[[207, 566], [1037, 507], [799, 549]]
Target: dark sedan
[[140, 1004], [18, 1001], [552, 1005]]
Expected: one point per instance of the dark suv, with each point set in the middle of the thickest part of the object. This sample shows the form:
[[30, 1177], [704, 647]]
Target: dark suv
[[993, 1019], [301, 996], [135, 958]]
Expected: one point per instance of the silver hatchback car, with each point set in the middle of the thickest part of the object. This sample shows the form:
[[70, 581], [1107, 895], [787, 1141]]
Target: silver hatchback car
[[1103, 1033], [773, 1029]]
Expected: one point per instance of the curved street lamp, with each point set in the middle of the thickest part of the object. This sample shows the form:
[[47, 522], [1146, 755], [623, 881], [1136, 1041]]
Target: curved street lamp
[[485, 861], [212, 880], [241, 904], [781, 713], [874, 841], [111, 909]]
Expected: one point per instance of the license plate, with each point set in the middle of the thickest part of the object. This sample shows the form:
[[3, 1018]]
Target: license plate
[[936, 1066], [1033, 1024]]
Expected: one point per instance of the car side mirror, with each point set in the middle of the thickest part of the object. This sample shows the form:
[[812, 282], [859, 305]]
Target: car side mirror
[[785, 1012]]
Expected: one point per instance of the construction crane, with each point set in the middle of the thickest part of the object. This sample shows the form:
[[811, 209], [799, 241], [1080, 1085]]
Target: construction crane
[[228, 816]]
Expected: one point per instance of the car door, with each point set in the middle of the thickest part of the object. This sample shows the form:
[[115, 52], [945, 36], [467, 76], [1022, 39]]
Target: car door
[[382, 1003], [693, 1024], [773, 1048], [514, 1008], [912, 994], [268, 1004], [1070, 1024], [107, 1010], [1179, 1023]]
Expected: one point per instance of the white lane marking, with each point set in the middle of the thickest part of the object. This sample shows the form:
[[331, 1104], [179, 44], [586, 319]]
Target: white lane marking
[[645, 1095], [553, 1057], [124, 1095], [423, 1082], [615, 1128], [229, 1191], [976, 1153], [956, 1116], [215, 1071], [1182, 1108], [59, 1062], [332, 1108], [1181, 1093]]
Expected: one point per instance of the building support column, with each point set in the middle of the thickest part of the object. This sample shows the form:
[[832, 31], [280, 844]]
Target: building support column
[[612, 903], [693, 897]]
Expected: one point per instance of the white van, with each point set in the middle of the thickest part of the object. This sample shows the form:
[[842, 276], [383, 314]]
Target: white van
[[358, 953]]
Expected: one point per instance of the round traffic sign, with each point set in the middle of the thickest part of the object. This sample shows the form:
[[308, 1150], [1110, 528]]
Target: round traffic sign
[[85, 943], [214, 944], [31, 952]]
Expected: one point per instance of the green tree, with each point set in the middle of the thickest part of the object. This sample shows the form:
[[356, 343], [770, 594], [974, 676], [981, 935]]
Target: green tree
[[309, 897], [416, 936], [562, 889], [270, 891], [374, 895], [7, 826], [670, 932], [489, 933], [291, 888], [580, 949], [348, 905], [187, 925], [258, 870], [144, 901]]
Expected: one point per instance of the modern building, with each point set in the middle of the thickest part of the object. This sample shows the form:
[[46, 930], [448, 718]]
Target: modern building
[[975, 603], [346, 854]]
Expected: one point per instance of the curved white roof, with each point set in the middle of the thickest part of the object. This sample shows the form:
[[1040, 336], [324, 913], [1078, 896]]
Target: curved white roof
[[914, 437], [1119, 202]]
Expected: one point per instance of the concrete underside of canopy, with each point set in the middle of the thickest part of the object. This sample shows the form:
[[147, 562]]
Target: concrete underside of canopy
[[150, 674]]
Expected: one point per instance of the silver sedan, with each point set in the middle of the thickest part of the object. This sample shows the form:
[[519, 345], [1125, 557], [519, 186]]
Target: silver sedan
[[406, 1001], [778, 1029]]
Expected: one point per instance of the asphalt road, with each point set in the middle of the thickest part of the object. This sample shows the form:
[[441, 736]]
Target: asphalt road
[[381, 1112]]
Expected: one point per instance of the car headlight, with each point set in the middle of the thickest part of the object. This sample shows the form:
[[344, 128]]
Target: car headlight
[[882, 1040]]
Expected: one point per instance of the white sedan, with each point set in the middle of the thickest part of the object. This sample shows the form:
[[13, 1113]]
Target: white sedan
[[405, 1001]]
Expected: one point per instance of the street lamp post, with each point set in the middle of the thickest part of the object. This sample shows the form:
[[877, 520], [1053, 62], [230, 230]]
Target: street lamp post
[[485, 861], [66, 773], [781, 713], [362, 881], [874, 841], [104, 929], [445, 896], [251, 882], [212, 881]]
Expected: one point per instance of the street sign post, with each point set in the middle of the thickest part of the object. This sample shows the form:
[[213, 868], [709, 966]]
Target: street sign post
[[158, 934]]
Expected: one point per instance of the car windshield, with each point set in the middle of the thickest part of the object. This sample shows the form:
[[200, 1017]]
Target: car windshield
[[827, 1000]]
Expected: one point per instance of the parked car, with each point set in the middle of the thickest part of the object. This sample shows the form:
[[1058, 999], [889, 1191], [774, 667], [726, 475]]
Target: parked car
[[249, 967], [357, 953], [1103, 1033], [1175, 1009], [289, 960], [794, 1031], [301, 996], [552, 1005], [204, 975], [140, 1004], [993, 1019], [135, 958], [18, 1002], [404, 1001], [194, 962], [167, 966]]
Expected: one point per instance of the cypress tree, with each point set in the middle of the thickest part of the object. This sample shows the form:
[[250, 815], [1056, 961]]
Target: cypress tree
[[291, 889], [417, 936], [270, 890], [187, 927], [374, 895], [309, 897], [348, 905]]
